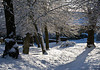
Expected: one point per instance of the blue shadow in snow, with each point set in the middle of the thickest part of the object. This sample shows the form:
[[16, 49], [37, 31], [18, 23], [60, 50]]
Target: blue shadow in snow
[[78, 64]]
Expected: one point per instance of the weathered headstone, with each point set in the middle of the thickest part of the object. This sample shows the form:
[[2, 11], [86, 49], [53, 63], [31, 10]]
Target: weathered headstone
[[26, 44]]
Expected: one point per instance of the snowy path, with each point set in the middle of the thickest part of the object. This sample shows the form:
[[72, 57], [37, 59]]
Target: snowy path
[[78, 64]]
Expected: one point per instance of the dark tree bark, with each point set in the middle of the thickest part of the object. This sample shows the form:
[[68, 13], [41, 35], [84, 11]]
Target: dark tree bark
[[90, 40], [37, 40], [10, 27], [31, 40], [92, 25], [91, 28], [57, 37], [92, 16], [46, 38], [9, 17]]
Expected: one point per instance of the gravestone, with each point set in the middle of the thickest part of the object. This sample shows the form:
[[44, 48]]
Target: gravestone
[[26, 44]]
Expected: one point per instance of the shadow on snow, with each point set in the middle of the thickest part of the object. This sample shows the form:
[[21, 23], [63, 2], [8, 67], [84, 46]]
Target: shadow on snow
[[78, 64]]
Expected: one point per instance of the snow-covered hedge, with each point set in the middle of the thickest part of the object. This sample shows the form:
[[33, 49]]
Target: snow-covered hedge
[[67, 44]]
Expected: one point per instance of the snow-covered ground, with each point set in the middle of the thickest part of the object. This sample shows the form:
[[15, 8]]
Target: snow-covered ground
[[76, 57]]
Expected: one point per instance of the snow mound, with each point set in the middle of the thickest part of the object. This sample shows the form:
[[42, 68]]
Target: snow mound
[[15, 45], [12, 50], [59, 43], [8, 40], [67, 44]]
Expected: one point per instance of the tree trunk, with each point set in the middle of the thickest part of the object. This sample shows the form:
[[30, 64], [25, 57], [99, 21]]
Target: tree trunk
[[46, 38], [40, 38], [9, 17], [31, 41], [26, 44], [37, 40], [10, 27], [90, 40], [91, 28], [93, 15], [42, 44], [57, 37]]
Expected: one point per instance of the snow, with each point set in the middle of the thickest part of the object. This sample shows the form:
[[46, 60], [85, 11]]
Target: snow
[[12, 50], [8, 40], [53, 39], [1, 38], [67, 44], [76, 57], [63, 37], [16, 45], [11, 34]]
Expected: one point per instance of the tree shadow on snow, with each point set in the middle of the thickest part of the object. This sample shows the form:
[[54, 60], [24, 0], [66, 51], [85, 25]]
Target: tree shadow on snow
[[18, 64], [78, 64]]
